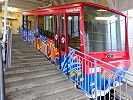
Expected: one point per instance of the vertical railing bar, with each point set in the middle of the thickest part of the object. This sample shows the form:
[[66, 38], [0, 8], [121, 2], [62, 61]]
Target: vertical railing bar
[[82, 70], [104, 86], [75, 74], [100, 82], [95, 67], [132, 92], [2, 86], [120, 86], [91, 74], [89, 77], [85, 74], [114, 88], [109, 83], [69, 65], [126, 90]]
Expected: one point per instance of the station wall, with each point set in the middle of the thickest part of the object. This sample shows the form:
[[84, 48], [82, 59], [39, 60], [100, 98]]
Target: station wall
[[14, 20]]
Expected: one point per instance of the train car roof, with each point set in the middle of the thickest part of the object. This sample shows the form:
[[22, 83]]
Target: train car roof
[[72, 5]]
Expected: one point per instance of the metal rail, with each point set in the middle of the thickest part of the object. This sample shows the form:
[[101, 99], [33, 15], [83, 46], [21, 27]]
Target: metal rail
[[2, 87], [5, 60], [9, 47], [97, 77]]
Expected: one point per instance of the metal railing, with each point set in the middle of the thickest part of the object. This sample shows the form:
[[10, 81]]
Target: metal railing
[[28, 36], [5, 60], [8, 48], [100, 80], [2, 87]]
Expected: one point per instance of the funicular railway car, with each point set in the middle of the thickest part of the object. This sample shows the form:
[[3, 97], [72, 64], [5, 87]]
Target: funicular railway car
[[66, 34]]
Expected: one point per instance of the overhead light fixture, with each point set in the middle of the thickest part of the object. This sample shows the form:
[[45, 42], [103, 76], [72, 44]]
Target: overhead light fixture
[[2, 0], [112, 18], [62, 17], [101, 10], [50, 16], [10, 17], [69, 18], [12, 9]]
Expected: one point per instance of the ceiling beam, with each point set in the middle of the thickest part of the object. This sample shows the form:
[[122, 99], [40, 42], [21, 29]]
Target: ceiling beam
[[23, 4]]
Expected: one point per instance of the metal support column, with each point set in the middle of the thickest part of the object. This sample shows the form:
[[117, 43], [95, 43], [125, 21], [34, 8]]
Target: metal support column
[[2, 53], [2, 87], [9, 46]]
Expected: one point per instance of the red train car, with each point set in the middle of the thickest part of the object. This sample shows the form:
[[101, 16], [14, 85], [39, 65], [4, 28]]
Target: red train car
[[66, 34]]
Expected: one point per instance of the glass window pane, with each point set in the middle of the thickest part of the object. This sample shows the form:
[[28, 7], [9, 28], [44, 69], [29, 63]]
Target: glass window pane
[[104, 30], [47, 26], [73, 32]]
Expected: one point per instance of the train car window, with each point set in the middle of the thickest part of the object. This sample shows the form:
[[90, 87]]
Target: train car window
[[55, 31], [103, 30], [41, 24], [63, 33], [47, 26], [62, 24], [73, 32]]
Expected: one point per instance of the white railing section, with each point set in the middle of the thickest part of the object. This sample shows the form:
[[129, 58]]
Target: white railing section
[[98, 78], [130, 42]]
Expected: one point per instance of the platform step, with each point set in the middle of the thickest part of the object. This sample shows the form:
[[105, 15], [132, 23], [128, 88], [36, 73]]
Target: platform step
[[27, 60], [45, 90], [30, 83], [29, 75], [18, 70], [70, 94], [29, 64]]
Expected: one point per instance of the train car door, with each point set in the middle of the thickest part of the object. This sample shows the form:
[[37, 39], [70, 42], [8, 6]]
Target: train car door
[[62, 42], [69, 35]]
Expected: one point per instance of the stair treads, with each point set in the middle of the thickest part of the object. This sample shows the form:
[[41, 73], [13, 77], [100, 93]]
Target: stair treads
[[49, 89], [27, 60], [70, 94], [32, 63], [17, 65], [26, 57], [29, 75], [28, 69], [30, 83]]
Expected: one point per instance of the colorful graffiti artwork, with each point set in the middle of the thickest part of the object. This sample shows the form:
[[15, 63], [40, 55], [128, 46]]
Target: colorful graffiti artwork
[[46, 46]]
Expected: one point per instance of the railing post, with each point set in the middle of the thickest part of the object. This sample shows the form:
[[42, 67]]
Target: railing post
[[132, 94], [9, 46], [95, 68], [2, 87]]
